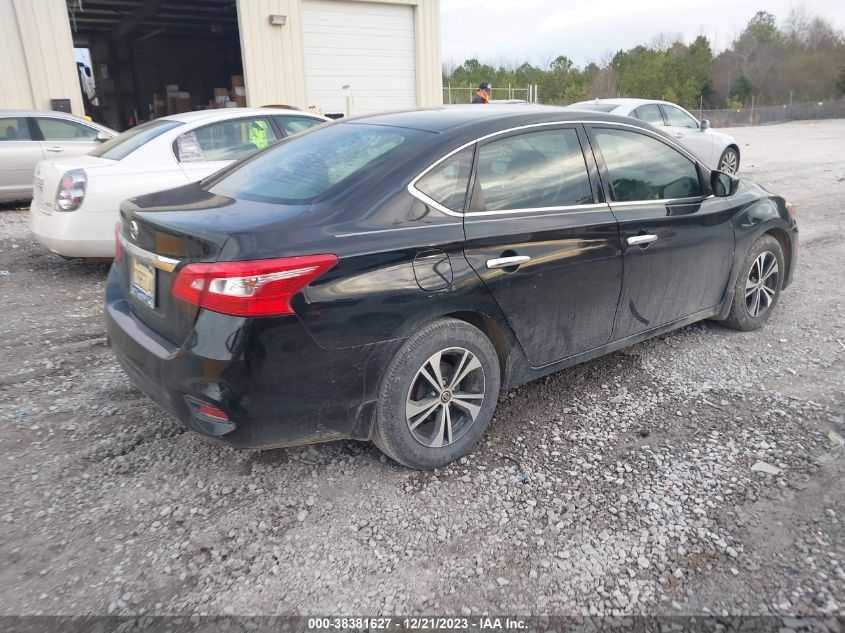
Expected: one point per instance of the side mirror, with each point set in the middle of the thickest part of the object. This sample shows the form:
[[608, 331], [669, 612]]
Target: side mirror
[[705, 125], [103, 136], [723, 185]]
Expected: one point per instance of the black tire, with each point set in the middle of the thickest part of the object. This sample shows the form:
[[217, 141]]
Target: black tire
[[742, 314], [406, 389], [729, 161]]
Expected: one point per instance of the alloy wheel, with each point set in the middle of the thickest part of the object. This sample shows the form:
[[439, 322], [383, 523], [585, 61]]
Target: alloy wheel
[[761, 286], [445, 397], [729, 162]]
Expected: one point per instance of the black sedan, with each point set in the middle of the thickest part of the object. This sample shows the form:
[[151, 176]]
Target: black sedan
[[384, 278]]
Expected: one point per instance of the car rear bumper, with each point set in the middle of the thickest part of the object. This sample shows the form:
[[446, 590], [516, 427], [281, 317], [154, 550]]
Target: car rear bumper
[[275, 383], [77, 233]]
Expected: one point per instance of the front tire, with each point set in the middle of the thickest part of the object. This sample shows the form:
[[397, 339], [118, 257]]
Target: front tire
[[729, 161], [758, 286], [438, 395]]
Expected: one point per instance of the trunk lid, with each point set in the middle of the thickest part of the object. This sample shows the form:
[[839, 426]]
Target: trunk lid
[[48, 176], [166, 230], [154, 247]]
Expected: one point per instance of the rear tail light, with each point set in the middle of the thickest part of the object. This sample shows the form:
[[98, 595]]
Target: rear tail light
[[262, 287], [71, 190], [212, 412], [118, 249]]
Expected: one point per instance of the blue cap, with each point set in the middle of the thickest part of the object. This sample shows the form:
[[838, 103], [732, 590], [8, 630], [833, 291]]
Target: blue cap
[[484, 85]]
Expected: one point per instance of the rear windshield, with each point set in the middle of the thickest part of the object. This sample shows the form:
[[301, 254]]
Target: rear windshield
[[127, 142], [309, 165], [596, 107]]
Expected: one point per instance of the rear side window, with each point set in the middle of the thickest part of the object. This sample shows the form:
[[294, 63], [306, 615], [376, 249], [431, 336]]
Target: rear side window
[[227, 140], [124, 144], [61, 130], [447, 183], [14, 129], [649, 113], [532, 171], [643, 168], [294, 124], [302, 168], [678, 118]]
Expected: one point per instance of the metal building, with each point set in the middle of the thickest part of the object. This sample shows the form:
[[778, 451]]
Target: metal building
[[123, 61]]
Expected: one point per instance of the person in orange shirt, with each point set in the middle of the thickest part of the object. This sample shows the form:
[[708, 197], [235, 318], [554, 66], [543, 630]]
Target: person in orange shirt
[[482, 95]]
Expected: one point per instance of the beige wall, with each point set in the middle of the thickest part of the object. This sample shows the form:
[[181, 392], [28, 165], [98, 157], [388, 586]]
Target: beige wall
[[36, 47], [274, 58]]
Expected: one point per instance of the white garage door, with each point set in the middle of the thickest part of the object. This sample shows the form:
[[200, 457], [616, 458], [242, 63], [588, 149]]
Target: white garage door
[[369, 47]]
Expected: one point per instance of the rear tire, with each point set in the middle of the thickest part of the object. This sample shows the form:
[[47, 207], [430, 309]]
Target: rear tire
[[422, 425], [757, 288]]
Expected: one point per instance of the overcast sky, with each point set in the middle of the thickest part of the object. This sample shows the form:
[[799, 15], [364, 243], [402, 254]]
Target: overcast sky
[[539, 30]]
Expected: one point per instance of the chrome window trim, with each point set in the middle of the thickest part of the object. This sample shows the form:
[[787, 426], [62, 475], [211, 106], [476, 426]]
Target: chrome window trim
[[593, 206], [422, 197], [639, 203], [167, 264]]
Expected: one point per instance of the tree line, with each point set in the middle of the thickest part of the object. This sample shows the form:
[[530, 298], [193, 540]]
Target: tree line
[[802, 59]]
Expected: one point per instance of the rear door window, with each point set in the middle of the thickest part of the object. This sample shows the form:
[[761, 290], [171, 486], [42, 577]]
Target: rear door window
[[643, 168], [447, 183], [649, 113], [224, 141], [534, 170], [61, 130], [14, 129], [294, 124]]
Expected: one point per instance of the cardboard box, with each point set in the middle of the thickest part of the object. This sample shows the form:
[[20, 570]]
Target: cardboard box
[[220, 92], [183, 104], [241, 101], [237, 80]]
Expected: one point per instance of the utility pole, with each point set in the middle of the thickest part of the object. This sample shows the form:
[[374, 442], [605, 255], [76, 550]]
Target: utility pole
[[751, 116], [700, 105]]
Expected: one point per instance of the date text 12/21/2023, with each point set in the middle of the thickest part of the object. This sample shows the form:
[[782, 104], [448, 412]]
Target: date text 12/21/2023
[[418, 623]]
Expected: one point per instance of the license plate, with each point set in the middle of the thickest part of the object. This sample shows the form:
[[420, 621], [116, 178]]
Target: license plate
[[144, 283]]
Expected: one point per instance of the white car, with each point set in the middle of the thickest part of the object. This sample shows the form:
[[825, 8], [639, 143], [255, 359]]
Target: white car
[[76, 200], [715, 149], [28, 136]]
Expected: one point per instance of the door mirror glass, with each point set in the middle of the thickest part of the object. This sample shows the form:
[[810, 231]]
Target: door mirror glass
[[723, 185], [103, 137], [705, 125]]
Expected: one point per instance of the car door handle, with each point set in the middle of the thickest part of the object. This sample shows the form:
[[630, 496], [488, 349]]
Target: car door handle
[[639, 240], [507, 262], [678, 135], [55, 149]]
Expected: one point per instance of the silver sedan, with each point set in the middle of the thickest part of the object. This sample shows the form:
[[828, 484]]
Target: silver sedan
[[29, 136], [715, 149]]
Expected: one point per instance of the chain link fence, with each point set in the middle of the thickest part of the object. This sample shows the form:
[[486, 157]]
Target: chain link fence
[[834, 109], [458, 94]]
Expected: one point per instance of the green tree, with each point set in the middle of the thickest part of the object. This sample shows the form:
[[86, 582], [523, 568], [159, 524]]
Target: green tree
[[742, 88]]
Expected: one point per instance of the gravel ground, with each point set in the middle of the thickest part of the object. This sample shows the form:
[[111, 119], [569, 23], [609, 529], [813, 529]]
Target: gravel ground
[[641, 495]]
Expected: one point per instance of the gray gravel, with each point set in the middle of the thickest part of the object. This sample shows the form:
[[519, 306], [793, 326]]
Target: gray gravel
[[641, 496]]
